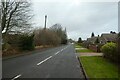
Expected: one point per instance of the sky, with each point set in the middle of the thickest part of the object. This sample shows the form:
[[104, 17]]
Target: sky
[[80, 18]]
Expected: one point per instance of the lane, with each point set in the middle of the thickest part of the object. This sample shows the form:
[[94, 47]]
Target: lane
[[60, 62], [19, 65], [44, 60], [16, 77]]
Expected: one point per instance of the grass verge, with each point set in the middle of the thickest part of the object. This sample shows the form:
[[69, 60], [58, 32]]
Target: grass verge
[[78, 46], [83, 50], [98, 67]]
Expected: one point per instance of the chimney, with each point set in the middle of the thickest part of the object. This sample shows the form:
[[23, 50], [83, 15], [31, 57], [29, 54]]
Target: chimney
[[45, 21]]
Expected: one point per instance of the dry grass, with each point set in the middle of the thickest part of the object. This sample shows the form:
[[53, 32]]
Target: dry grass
[[11, 51]]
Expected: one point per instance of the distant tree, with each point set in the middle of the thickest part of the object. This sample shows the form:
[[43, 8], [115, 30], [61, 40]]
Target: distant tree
[[98, 36], [57, 28], [79, 40], [97, 40], [92, 35], [112, 32], [64, 37], [70, 40]]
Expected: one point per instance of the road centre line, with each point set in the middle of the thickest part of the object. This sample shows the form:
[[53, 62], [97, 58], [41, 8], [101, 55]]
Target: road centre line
[[64, 48], [61, 50], [16, 77], [44, 60], [57, 52], [51, 56]]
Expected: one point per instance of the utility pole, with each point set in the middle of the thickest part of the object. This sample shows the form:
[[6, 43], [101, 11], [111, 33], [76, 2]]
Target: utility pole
[[45, 21]]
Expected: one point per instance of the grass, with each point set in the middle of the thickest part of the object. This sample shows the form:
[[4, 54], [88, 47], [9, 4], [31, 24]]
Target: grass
[[78, 46], [83, 50], [98, 67]]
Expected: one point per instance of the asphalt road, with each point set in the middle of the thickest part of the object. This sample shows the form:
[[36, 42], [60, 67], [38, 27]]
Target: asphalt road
[[59, 62]]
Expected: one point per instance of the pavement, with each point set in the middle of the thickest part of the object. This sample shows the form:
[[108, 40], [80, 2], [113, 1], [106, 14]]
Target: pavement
[[59, 62], [87, 53]]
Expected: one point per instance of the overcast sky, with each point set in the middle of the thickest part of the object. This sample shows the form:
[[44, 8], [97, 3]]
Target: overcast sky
[[80, 18]]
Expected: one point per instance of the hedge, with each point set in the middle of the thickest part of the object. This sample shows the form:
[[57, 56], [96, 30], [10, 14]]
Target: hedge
[[27, 42], [110, 51]]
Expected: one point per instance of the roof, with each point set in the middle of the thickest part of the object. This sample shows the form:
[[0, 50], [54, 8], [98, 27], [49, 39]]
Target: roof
[[92, 39], [109, 37]]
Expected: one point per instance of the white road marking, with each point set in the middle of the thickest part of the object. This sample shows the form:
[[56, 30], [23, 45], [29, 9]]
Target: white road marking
[[57, 52], [16, 77], [51, 56], [66, 47], [62, 50], [44, 60]]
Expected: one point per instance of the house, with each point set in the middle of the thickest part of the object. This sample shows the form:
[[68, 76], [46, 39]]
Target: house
[[106, 37], [91, 43], [95, 43], [103, 39], [92, 40]]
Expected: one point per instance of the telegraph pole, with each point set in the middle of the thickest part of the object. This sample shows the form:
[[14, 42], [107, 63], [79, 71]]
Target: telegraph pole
[[45, 21]]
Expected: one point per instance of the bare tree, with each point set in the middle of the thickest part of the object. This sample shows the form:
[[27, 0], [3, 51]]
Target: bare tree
[[46, 37], [57, 28], [15, 16], [54, 35]]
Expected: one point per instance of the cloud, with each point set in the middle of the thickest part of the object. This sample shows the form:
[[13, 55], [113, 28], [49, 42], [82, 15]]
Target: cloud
[[80, 20]]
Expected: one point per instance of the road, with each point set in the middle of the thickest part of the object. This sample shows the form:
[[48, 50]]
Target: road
[[59, 62]]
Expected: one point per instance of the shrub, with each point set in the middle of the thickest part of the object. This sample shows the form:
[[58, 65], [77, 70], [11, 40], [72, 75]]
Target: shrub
[[46, 37], [6, 46], [27, 42], [8, 50], [110, 51]]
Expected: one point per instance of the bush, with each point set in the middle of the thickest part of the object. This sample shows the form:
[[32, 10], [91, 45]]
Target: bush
[[46, 37], [110, 51], [8, 50], [6, 46], [27, 42]]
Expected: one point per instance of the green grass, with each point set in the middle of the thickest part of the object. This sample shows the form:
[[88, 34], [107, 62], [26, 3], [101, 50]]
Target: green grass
[[84, 50], [98, 67], [78, 46]]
